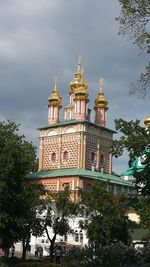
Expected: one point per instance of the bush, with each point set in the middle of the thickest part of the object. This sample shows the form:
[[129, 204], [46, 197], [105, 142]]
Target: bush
[[116, 255], [37, 264]]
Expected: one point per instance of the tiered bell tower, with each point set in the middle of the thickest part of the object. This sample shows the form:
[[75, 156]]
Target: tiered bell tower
[[77, 108], [76, 151]]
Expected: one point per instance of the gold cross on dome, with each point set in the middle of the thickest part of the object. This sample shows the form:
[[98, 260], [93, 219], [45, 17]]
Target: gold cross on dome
[[79, 59], [101, 82], [55, 81]]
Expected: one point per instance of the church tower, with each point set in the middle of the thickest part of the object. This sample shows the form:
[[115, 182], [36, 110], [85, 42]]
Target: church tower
[[76, 151], [54, 106], [77, 108], [81, 99], [101, 106]]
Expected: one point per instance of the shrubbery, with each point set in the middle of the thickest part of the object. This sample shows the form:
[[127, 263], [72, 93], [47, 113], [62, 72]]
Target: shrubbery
[[116, 255]]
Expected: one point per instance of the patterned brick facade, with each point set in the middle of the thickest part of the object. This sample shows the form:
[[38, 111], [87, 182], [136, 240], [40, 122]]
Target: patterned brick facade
[[78, 142], [59, 183]]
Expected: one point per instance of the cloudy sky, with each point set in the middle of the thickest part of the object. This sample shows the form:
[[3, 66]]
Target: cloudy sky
[[43, 38]]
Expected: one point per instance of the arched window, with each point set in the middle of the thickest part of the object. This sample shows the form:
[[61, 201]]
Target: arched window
[[102, 159], [53, 157], [65, 155], [66, 185], [92, 156]]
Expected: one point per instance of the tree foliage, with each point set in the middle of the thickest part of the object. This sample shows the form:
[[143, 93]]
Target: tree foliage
[[32, 223], [58, 210], [17, 195], [144, 212], [134, 22], [104, 216], [136, 141]]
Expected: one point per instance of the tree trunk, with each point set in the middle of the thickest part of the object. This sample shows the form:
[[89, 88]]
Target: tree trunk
[[6, 252], [51, 251], [25, 245], [52, 241]]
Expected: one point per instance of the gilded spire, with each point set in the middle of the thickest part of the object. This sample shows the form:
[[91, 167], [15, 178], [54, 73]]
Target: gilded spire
[[55, 99], [101, 101], [147, 121]]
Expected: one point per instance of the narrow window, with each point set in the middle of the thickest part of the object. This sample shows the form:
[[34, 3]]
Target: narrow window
[[102, 159], [65, 155], [92, 156], [53, 157]]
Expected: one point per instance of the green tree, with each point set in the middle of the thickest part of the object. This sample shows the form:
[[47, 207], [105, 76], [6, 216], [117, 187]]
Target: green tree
[[144, 212], [104, 216], [32, 223], [136, 141], [134, 22], [59, 208], [17, 158]]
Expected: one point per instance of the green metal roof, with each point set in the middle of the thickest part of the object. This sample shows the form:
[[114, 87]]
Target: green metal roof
[[70, 122], [81, 173], [135, 168], [131, 171]]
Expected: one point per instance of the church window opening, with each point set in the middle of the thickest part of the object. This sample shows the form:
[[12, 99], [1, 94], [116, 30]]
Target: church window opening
[[53, 157], [102, 159], [65, 155], [66, 185], [92, 156]]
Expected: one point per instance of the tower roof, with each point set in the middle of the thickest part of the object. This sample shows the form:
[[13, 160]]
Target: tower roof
[[147, 121], [101, 101], [55, 99], [78, 82], [81, 90]]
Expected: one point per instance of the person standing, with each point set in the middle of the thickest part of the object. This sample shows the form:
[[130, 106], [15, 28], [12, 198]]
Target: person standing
[[40, 249], [36, 251], [58, 255]]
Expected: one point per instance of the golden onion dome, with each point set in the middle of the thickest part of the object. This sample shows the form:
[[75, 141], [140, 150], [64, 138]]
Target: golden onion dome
[[55, 99], [78, 81], [81, 94], [147, 121], [101, 101], [81, 91]]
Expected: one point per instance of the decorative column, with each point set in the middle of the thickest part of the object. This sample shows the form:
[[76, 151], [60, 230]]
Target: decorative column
[[97, 157], [101, 106], [41, 155]]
